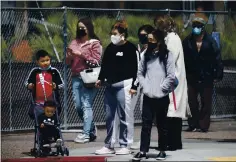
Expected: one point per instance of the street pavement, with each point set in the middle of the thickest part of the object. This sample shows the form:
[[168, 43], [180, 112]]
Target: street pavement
[[219, 144]]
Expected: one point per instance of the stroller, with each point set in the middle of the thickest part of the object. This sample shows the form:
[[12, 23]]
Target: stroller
[[39, 150]]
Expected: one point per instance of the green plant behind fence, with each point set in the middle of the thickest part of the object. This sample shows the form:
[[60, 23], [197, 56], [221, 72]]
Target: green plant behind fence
[[102, 25]]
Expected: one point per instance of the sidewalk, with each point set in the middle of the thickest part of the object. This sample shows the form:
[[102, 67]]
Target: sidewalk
[[219, 142]]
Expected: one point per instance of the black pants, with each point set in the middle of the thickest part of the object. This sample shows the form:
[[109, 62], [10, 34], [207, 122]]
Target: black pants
[[200, 118], [174, 133], [49, 134], [152, 107]]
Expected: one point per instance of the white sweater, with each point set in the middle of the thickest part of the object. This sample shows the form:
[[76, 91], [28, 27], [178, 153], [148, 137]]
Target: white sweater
[[174, 45]]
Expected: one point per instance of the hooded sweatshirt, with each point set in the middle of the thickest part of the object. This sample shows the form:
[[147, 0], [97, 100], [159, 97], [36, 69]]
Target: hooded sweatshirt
[[156, 78]]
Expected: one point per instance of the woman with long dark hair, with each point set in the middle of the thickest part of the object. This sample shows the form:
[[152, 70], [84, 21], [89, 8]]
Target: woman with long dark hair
[[178, 107], [156, 77], [84, 52]]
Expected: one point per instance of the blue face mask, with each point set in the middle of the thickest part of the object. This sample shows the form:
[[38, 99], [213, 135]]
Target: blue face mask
[[46, 68], [197, 31]]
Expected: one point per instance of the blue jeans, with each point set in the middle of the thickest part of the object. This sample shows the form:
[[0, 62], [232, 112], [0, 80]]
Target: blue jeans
[[83, 98]]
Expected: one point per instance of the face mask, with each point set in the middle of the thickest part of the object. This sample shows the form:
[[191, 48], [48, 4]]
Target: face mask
[[197, 31], [115, 39], [151, 46], [81, 33], [46, 68], [143, 39]]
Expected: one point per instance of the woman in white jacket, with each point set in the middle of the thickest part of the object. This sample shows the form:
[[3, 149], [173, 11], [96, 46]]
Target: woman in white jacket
[[178, 107]]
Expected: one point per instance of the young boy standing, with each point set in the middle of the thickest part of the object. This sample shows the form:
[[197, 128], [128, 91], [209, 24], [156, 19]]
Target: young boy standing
[[43, 80]]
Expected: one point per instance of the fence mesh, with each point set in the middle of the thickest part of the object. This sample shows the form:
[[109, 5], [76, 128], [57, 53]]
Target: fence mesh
[[24, 31]]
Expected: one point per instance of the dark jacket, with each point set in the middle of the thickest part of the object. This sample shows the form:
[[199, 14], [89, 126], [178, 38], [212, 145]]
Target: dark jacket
[[204, 66], [56, 78]]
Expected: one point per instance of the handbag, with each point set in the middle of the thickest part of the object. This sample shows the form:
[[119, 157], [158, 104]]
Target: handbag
[[90, 76]]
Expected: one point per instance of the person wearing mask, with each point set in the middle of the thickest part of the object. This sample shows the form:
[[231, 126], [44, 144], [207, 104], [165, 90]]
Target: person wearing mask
[[156, 75], [84, 52], [179, 99], [203, 68], [118, 73], [143, 32]]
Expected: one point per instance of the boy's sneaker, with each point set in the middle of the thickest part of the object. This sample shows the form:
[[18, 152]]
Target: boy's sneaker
[[105, 150], [59, 142], [139, 156], [123, 151], [161, 156], [82, 139], [46, 145]]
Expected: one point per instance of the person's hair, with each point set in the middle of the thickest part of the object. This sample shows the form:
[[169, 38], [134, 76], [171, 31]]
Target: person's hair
[[50, 103], [41, 53], [163, 51], [165, 23], [160, 37], [147, 28], [121, 26], [89, 25]]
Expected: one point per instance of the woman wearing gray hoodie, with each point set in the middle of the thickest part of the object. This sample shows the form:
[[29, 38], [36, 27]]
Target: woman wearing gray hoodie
[[156, 75]]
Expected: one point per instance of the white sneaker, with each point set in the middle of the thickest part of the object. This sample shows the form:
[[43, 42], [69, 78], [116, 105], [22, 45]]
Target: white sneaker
[[135, 146], [123, 151], [81, 139], [59, 142], [105, 150], [80, 135]]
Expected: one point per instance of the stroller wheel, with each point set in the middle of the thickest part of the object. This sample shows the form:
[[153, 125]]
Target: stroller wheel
[[38, 153], [33, 151], [66, 151], [62, 150]]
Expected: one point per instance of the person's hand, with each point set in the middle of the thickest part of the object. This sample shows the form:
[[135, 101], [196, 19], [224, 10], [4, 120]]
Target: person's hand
[[42, 125], [69, 52], [76, 52], [132, 92], [30, 86], [98, 83], [54, 86]]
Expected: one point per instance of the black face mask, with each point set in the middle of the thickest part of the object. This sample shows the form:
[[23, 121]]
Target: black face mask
[[143, 39], [81, 33], [151, 46]]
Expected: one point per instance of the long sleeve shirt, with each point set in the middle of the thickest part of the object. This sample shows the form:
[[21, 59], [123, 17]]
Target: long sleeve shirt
[[91, 52], [120, 63]]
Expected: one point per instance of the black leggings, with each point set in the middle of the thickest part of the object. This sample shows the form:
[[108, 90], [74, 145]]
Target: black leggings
[[152, 107]]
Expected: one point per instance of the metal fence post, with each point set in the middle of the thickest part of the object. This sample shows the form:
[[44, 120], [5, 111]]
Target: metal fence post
[[65, 69], [10, 89]]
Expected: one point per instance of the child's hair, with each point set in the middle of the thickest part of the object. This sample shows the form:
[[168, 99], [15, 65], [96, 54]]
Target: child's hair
[[49, 104], [41, 53]]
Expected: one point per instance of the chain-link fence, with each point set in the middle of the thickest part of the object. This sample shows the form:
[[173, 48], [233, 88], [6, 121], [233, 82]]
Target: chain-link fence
[[25, 31]]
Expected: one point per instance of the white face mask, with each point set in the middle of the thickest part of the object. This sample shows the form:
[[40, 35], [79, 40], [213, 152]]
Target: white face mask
[[116, 39]]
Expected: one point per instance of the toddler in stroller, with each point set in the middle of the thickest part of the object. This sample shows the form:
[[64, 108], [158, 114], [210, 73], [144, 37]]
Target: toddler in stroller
[[47, 132]]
